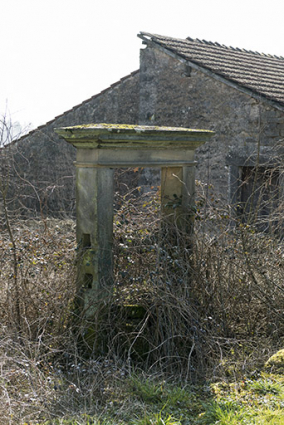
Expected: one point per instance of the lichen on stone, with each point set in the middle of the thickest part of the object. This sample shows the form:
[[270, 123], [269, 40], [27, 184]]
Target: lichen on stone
[[133, 127], [276, 362]]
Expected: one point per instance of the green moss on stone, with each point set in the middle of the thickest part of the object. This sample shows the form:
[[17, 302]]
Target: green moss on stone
[[133, 127], [276, 362]]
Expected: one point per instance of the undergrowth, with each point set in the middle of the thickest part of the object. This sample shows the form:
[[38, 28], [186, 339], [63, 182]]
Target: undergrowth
[[181, 338]]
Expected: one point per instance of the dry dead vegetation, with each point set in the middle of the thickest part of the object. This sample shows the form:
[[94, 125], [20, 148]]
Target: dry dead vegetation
[[211, 312]]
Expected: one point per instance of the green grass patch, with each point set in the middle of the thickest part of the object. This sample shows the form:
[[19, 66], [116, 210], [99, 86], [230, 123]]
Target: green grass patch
[[148, 401]]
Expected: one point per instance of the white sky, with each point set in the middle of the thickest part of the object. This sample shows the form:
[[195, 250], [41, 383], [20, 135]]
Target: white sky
[[57, 53]]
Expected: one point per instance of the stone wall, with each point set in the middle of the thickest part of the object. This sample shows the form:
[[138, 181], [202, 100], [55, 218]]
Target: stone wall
[[171, 93], [43, 171]]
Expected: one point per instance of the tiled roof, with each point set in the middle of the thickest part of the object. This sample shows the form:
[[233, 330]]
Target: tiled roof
[[262, 75]]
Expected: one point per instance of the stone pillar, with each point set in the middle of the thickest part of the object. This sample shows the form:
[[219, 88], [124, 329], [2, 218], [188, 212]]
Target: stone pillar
[[100, 149], [177, 200], [94, 210]]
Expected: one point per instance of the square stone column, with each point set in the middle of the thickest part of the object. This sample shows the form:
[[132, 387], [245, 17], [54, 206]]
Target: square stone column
[[177, 192], [94, 210], [177, 205], [100, 149]]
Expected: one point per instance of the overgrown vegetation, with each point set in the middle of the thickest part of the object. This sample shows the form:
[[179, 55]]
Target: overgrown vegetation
[[182, 337], [183, 340]]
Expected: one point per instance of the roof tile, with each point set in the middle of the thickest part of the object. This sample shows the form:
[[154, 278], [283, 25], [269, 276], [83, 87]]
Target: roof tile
[[261, 74]]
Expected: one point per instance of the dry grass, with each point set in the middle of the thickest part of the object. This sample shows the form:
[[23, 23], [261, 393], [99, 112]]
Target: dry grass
[[213, 311]]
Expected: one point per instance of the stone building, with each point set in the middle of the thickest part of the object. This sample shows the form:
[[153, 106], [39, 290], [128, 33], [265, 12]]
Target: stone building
[[236, 93]]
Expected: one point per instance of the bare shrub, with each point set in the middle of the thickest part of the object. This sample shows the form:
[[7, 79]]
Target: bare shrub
[[210, 299], [209, 305]]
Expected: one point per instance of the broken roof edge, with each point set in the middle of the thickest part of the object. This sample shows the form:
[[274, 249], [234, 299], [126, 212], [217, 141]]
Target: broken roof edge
[[206, 70], [74, 108]]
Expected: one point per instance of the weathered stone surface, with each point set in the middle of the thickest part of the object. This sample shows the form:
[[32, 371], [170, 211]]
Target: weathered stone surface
[[172, 97], [100, 149], [276, 362]]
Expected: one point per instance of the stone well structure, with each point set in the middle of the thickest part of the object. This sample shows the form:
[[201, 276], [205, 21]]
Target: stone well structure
[[100, 149]]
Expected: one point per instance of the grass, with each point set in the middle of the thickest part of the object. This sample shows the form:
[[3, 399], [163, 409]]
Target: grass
[[149, 401], [207, 322]]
